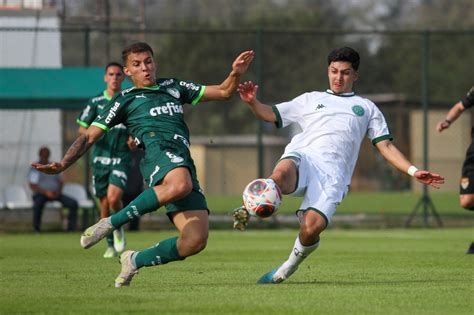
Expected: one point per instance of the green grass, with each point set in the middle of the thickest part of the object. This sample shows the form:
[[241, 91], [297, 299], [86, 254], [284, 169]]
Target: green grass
[[413, 271], [446, 203]]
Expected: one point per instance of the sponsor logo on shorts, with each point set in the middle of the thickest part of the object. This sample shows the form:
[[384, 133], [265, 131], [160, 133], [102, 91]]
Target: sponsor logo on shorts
[[183, 139], [464, 183], [120, 174], [358, 110], [104, 160], [174, 158]]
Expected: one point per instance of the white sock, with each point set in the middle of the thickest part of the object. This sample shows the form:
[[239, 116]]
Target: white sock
[[297, 255]]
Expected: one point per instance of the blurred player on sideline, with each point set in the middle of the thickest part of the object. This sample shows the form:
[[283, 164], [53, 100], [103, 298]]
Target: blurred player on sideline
[[318, 162], [110, 156], [466, 189], [153, 112]]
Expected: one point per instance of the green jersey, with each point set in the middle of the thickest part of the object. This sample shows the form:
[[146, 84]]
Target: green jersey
[[154, 113], [112, 149]]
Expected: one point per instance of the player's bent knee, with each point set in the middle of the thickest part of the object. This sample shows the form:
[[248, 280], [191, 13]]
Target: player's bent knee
[[181, 189], [194, 245], [466, 201]]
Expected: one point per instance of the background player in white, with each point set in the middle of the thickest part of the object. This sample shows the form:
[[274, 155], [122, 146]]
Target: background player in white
[[466, 189], [318, 163]]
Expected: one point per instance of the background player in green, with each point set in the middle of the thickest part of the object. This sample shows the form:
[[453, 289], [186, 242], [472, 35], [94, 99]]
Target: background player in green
[[110, 156], [153, 113]]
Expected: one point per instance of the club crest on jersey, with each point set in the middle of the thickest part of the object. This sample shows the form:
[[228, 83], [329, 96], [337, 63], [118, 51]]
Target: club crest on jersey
[[358, 110], [173, 92], [464, 182]]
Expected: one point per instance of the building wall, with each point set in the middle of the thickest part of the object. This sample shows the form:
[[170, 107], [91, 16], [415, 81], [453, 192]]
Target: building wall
[[226, 165], [446, 150], [23, 132]]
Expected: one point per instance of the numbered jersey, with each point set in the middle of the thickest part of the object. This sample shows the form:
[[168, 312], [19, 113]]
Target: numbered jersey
[[154, 113], [112, 148]]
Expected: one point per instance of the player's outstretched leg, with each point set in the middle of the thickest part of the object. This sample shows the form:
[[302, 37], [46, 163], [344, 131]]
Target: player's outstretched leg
[[146, 202], [95, 233], [128, 269], [297, 255]]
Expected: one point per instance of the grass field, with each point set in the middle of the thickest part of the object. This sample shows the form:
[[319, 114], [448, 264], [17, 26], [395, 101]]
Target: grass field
[[413, 271]]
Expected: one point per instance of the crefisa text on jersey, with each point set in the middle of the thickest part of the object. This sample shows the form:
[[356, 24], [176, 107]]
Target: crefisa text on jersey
[[170, 109]]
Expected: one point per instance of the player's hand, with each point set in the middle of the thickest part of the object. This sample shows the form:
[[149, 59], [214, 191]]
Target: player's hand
[[247, 91], [242, 62], [442, 125], [428, 178], [51, 168]]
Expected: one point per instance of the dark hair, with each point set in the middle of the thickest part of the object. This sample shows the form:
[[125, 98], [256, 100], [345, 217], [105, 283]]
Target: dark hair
[[113, 64], [135, 48], [345, 54], [45, 150]]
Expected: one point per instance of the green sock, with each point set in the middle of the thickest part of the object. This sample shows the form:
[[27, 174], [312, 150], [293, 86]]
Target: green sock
[[160, 254], [110, 239], [146, 202]]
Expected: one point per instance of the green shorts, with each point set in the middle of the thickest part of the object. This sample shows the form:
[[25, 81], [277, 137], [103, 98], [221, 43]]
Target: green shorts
[[163, 156], [104, 176]]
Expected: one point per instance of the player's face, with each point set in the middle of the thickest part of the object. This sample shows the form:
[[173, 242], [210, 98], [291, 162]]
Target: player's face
[[141, 68], [114, 77], [341, 76]]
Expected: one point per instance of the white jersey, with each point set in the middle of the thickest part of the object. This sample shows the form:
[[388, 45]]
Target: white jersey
[[333, 127]]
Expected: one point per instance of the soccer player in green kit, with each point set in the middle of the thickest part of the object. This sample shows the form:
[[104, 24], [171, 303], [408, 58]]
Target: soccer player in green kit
[[110, 156], [152, 111]]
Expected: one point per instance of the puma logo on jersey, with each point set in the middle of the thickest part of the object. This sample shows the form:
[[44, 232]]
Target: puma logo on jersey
[[320, 106], [140, 96]]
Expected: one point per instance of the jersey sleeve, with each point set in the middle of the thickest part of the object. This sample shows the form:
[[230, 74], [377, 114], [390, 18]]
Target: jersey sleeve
[[190, 92], [377, 129], [288, 112], [87, 115], [468, 99], [113, 113]]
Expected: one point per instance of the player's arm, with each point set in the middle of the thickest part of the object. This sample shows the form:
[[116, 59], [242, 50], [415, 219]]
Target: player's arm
[[75, 151], [225, 90], [248, 94], [451, 117], [82, 130], [391, 153]]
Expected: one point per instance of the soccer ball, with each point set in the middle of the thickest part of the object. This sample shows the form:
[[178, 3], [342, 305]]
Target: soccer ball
[[262, 197]]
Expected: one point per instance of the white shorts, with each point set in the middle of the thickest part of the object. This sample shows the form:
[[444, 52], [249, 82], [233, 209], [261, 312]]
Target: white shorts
[[321, 192]]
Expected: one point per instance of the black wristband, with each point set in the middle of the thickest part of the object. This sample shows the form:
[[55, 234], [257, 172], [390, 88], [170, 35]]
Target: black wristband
[[448, 121]]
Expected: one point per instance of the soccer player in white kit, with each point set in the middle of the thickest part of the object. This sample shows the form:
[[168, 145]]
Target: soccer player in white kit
[[318, 162]]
